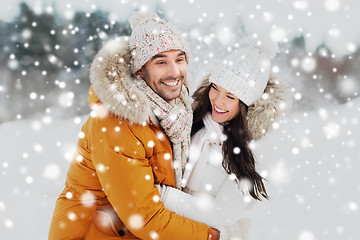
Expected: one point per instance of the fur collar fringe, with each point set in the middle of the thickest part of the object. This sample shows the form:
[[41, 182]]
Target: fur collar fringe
[[263, 113], [114, 84]]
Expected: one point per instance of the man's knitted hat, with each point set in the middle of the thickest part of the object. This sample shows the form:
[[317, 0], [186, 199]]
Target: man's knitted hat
[[150, 36], [246, 71]]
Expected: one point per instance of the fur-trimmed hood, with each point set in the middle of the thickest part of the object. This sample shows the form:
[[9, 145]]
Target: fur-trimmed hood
[[114, 85], [263, 113]]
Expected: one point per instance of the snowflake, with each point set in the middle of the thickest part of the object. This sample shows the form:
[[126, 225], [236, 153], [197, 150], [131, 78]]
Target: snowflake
[[306, 235], [136, 221], [51, 171], [332, 130], [9, 223], [154, 235], [66, 99], [29, 179], [300, 5], [308, 64], [332, 5], [38, 148], [353, 206], [2, 206], [88, 199]]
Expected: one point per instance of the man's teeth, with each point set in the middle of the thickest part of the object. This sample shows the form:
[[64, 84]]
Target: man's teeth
[[174, 83], [219, 110]]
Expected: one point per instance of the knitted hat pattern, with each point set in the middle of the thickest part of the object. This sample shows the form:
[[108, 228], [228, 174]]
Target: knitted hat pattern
[[245, 72], [150, 36]]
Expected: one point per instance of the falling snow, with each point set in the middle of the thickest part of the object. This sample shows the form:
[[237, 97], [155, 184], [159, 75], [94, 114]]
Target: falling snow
[[51, 171], [87, 199], [136, 221], [309, 159], [308, 64]]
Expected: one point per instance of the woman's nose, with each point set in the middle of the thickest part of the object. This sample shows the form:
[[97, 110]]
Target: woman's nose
[[218, 100]]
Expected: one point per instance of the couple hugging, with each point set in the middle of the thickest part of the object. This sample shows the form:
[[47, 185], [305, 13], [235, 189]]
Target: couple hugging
[[154, 163]]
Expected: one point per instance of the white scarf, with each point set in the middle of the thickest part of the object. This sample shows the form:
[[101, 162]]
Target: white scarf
[[212, 133], [176, 119]]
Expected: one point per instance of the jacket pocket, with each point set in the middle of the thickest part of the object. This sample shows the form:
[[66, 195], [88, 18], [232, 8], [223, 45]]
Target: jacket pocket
[[104, 223], [108, 222]]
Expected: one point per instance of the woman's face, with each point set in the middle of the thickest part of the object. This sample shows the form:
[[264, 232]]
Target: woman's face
[[225, 106]]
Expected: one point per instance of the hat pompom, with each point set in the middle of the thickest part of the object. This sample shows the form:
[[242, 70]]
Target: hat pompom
[[140, 17], [267, 45]]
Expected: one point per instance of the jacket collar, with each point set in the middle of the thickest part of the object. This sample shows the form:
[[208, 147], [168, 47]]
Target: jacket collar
[[114, 85]]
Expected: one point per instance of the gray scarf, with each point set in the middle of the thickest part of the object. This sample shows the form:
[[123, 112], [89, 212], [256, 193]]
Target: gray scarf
[[176, 119]]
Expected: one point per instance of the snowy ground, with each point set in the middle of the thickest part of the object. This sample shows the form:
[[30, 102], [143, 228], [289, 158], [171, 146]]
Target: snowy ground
[[311, 163]]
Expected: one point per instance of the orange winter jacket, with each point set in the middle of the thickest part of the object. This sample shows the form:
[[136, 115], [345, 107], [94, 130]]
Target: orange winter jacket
[[109, 191]]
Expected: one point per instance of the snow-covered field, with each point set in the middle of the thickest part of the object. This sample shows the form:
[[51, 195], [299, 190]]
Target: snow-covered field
[[311, 162]]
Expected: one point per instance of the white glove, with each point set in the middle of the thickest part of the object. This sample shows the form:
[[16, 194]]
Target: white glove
[[169, 196], [224, 233], [240, 230]]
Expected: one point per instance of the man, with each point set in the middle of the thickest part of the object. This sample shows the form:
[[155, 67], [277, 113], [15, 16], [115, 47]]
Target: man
[[141, 111]]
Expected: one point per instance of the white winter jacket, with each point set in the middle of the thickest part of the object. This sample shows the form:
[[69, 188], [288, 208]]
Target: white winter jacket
[[213, 195]]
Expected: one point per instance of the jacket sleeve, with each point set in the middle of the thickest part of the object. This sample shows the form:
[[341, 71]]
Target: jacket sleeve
[[124, 172], [223, 210]]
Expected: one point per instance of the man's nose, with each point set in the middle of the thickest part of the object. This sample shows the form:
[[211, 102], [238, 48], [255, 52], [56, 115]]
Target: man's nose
[[173, 70]]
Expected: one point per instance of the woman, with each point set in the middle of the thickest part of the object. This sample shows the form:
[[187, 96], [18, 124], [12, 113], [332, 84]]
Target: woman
[[236, 104]]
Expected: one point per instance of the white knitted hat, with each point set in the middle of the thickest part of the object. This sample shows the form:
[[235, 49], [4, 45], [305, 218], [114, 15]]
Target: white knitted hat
[[246, 71], [152, 35]]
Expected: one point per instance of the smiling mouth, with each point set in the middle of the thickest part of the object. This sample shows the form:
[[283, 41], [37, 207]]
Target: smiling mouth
[[172, 83], [219, 111]]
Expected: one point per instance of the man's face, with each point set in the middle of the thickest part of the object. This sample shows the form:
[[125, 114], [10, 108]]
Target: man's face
[[165, 73]]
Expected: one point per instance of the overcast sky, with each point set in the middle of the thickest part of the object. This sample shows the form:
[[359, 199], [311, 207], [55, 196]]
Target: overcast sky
[[335, 22]]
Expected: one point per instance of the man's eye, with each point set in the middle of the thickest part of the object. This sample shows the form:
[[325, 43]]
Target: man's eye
[[232, 98], [181, 60], [160, 62]]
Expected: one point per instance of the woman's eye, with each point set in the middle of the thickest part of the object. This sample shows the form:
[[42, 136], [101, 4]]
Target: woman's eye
[[160, 62], [213, 86], [232, 98], [181, 60]]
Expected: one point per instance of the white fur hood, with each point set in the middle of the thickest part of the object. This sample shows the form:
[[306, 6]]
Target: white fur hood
[[114, 84], [264, 112]]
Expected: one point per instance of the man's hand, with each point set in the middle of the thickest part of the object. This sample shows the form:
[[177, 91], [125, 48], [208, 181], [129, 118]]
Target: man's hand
[[214, 234]]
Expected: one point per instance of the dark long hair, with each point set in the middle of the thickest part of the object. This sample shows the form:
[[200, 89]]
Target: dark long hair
[[241, 164]]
